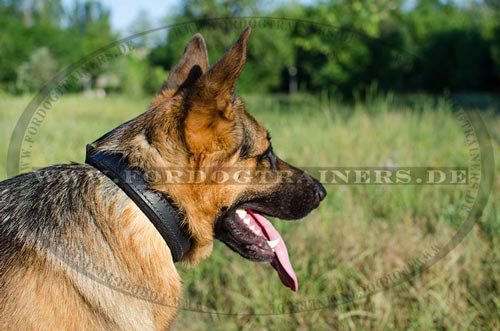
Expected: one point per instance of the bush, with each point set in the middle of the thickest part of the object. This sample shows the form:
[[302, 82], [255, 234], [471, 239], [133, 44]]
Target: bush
[[34, 74]]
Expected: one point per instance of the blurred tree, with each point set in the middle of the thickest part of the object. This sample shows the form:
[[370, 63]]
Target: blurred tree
[[35, 73], [194, 9], [454, 51], [493, 6], [141, 23], [12, 52], [45, 12], [19, 41], [270, 52], [392, 55], [431, 45], [31, 25], [32, 12], [90, 19], [340, 61], [495, 55]]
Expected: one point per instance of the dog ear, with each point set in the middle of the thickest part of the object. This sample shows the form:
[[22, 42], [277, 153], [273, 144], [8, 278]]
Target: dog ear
[[210, 115], [215, 89], [192, 65]]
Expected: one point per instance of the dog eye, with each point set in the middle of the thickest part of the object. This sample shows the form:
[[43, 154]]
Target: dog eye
[[269, 156]]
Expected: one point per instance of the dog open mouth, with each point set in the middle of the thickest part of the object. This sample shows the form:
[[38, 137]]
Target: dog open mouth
[[252, 236]]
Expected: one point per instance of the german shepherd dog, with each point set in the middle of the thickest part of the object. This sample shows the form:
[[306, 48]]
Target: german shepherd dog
[[55, 216]]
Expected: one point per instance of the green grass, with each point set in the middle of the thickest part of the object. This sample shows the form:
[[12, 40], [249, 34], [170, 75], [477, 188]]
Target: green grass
[[358, 235]]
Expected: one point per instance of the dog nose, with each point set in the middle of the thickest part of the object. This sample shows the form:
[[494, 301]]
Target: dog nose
[[321, 191]]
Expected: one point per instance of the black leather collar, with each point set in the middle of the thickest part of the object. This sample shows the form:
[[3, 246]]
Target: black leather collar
[[157, 207]]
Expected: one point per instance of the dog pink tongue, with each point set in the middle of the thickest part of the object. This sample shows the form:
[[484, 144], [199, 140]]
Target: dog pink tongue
[[281, 261]]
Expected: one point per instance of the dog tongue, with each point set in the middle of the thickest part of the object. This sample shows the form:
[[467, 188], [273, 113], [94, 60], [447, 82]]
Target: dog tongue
[[281, 260]]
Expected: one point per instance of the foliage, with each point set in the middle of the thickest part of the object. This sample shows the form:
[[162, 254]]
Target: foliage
[[35, 73], [262, 72], [425, 45], [68, 35], [139, 77], [434, 46]]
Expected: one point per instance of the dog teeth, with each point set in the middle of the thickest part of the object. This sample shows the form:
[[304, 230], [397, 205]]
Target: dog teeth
[[273, 243], [241, 213]]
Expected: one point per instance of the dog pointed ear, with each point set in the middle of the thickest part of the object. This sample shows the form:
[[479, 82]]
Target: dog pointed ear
[[219, 83], [192, 65], [210, 114]]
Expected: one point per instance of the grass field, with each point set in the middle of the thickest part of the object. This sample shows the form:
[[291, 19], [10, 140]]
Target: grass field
[[360, 234]]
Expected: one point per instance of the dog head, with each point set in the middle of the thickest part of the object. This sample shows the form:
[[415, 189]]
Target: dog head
[[225, 175]]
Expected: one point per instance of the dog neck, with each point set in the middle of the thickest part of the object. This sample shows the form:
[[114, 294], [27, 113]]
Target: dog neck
[[155, 205]]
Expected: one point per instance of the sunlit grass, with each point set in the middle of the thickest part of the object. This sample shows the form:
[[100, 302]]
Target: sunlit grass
[[358, 235]]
